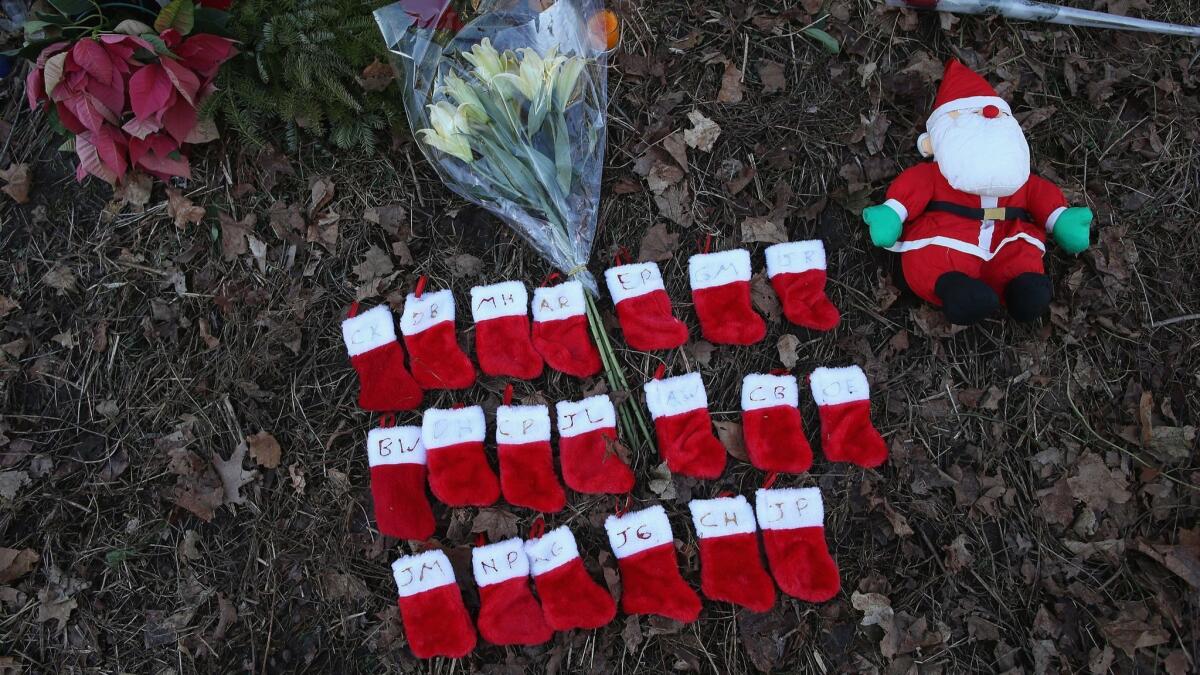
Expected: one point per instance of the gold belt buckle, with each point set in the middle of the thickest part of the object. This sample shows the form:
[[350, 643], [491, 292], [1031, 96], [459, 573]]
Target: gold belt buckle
[[995, 214]]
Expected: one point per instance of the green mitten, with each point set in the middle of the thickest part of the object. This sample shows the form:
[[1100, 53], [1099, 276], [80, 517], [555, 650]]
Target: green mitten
[[884, 224], [1073, 229]]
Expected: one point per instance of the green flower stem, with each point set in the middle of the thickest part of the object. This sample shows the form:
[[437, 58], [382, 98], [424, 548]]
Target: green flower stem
[[638, 430]]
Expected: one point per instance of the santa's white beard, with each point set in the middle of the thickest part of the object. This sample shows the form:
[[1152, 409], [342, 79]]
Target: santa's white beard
[[981, 156]]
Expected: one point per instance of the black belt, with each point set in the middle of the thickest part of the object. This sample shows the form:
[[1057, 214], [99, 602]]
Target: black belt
[[1005, 213]]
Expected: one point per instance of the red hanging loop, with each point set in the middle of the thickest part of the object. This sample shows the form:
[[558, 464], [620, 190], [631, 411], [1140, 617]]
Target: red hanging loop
[[723, 494], [458, 406], [508, 393], [353, 310], [421, 281], [618, 508], [770, 479], [780, 371], [538, 528], [387, 421], [707, 244], [480, 539], [660, 371], [621, 256], [549, 277], [427, 545]]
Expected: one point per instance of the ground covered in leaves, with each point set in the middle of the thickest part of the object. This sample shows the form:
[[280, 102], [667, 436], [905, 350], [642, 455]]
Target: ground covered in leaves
[[183, 485]]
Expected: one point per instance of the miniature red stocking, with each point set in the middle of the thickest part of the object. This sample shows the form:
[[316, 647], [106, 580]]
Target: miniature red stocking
[[797, 272], [431, 606], [433, 352], [721, 291], [526, 460], [645, 550], [570, 597], [379, 360], [459, 474], [502, 340], [643, 307], [397, 459], [508, 612], [792, 522], [587, 437], [731, 567], [844, 402], [771, 424], [679, 406], [560, 330]]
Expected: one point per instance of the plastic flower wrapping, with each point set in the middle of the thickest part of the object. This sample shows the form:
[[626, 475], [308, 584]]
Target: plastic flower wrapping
[[510, 110]]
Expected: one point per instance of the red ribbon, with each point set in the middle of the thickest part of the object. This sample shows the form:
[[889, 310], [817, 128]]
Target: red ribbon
[[353, 310], [508, 392], [387, 421], [660, 371], [420, 286], [770, 479], [549, 277], [480, 539], [538, 528], [618, 508]]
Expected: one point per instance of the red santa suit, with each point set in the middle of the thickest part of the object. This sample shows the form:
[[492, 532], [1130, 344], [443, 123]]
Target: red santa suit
[[987, 238]]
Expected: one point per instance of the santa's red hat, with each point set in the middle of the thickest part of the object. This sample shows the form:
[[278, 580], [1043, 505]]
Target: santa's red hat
[[964, 89]]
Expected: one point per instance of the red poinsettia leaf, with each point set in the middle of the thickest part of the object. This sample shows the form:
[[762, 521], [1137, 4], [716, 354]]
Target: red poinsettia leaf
[[93, 59], [149, 90], [159, 155], [185, 81], [141, 128], [87, 110], [204, 53], [112, 97], [35, 88], [53, 71], [131, 42], [68, 119], [49, 51], [101, 154], [179, 119]]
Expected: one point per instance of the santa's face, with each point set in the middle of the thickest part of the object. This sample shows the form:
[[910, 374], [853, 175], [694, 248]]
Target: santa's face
[[981, 155]]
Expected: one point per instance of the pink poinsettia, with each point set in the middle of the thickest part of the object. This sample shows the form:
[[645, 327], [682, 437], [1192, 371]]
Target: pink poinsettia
[[127, 104]]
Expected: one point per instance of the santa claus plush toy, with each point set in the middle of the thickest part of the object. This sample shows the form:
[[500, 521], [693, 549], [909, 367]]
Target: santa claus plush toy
[[971, 226]]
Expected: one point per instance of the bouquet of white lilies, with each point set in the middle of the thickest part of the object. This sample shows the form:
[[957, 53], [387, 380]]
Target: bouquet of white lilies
[[510, 110]]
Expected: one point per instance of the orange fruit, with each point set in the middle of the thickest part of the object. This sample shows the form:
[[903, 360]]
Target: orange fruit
[[605, 29]]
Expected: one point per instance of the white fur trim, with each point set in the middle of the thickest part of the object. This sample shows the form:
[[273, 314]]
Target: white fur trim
[[789, 508], [795, 256], [770, 391], [499, 562], [1054, 218], [967, 103], [831, 386], [630, 281], [426, 311], [722, 516], [965, 247], [551, 551], [395, 445], [559, 302], [507, 298], [522, 424], [675, 395], [638, 531], [442, 427], [370, 330], [422, 572], [706, 270], [591, 414], [900, 209], [921, 141]]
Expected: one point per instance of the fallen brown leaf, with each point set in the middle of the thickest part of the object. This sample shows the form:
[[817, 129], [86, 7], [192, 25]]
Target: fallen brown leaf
[[16, 563], [658, 244], [771, 74], [18, 181], [703, 133], [731, 85], [264, 449], [763, 229], [787, 346], [232, 475], [730, 435], [182, 210]]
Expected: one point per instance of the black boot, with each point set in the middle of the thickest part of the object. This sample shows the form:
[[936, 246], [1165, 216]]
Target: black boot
[[965, 301], [1028, 296]]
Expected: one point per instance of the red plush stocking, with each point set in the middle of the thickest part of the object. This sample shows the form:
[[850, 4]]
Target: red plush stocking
[[570, 597], [645, 550], [797, 272], [431, 607], [459, 474], [643, 307], [379, 360], [560, 330], [428, 328], [397, 459], [794, 536], [679, 406], [721, 292], [772, 426], [731, 567], [526, 461], [502, 341], [844, 403], [587, 435], [508, 613]]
